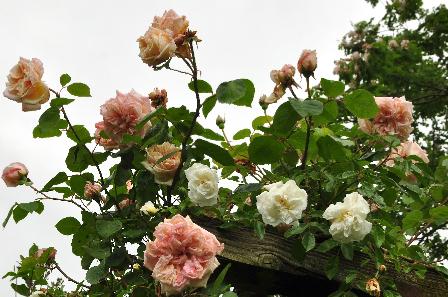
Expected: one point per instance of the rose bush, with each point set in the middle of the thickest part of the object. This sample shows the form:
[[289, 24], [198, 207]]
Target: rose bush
[[330, 171]]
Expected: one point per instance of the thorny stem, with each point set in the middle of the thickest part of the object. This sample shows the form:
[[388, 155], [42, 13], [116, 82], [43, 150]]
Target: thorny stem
[[187, 137], [308, 128]]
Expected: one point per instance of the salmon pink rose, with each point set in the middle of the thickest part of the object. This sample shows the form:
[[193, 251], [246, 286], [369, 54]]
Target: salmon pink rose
[[182, 255], [107, 143], [25, 84], [165, 170], [14, 173]]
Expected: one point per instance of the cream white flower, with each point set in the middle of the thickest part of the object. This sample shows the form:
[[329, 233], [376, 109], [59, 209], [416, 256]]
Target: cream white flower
[[37, 294], [282, 203], [202, 184], [348, 218], [148, 208]]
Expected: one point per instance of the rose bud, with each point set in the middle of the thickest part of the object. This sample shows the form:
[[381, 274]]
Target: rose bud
[[263, 102], [307, 63], [92, 190], [373, 287], [14, 174], [220, 121], [51, 256], [158, 98]]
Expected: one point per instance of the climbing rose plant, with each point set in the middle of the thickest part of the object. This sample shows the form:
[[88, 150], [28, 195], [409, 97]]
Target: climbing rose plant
[[335, 171]]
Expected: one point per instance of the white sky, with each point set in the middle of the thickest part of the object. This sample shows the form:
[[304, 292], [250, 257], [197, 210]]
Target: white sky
[[95, 42]]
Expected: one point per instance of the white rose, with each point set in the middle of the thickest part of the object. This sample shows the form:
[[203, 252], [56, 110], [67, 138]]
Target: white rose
[[282, 203], [148, 208], [202, 184], [37, 294], [348, 218]]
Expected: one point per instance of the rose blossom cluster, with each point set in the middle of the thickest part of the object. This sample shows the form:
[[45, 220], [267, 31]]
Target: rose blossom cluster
[[348, 218], [165, 38], [282, 203], [25, 84], [121, 116], [164, 170], [182, 255]]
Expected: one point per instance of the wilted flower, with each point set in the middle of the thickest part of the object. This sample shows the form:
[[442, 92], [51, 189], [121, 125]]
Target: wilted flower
[[282, 203], [14, 173], [156, 46], [407, 149], [373, 287], [382, 268], [125, 203], [348, 218], [202, 184], [158, 98], [307, 63], [92, 190], [284, 76], [163, 170], [394, 118], [245, 163], [148, 208], [393, 44], [183, 255], [25, 84], [122, 114]]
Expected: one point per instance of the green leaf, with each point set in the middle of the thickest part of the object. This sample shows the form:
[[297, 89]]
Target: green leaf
[[64, 79], [68, 226], [203, 86], [58, 102], [307, 108], [229, 294], [332, 267], [56, 180], [361, 104], [308, 241], [412, 220], [265, 150], [208, 105], [260, 121], [215, 152], [285, 119], [149, 116], [330, 149], [378, 235], [78, 159], [327, 246], [50, 123], [239, 92], [241, 134], [95, 274], [21, 289], [330, 113], [219, 281], [82, 133], [332, 88], [19, 214], [248, 188], [34, 206], [8, 216], [259, 229], [347, 251], [107, 228], [79, 90], [439, 214]]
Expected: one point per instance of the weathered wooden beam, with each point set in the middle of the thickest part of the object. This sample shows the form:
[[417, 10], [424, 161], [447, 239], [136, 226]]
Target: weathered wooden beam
[[275, 252]]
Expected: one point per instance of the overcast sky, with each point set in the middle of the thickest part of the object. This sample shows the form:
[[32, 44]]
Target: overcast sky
[[95, 42]]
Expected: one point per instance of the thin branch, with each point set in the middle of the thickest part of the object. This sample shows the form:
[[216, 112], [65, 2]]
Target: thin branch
[[69, 278], [46, 197], [308, 128]]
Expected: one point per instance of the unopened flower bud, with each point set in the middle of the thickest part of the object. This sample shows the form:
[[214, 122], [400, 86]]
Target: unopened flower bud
[[158, 98], [263, 102], [15, 174], [92, 190], [373, 287], [307, 63], [220, 121]]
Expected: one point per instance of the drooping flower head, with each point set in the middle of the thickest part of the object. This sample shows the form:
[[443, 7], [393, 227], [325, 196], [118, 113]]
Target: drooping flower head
[[182, 255], [122, 114], [282, 203], [348, 218], [165, 170], [394, 118], [158, 98], [25, 84]]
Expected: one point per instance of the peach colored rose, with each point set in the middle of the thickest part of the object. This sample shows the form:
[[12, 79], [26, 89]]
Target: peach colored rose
[[158, 98], [163, 171], [407, 149], [307, 63], [14, 173], [122, 114], [393, 118], [92, 190], [156, 46], [107, 143], [172, 23], [182, 255], [25, 84]]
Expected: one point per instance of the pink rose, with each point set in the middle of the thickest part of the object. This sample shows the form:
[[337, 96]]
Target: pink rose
[[92, 190], [172, 23], [163, 171], [14, 173], [25, 84], [307, 63], [182, 255], [156, 46], [393, 118], [407, 149], [107, 143], [122, 114]]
